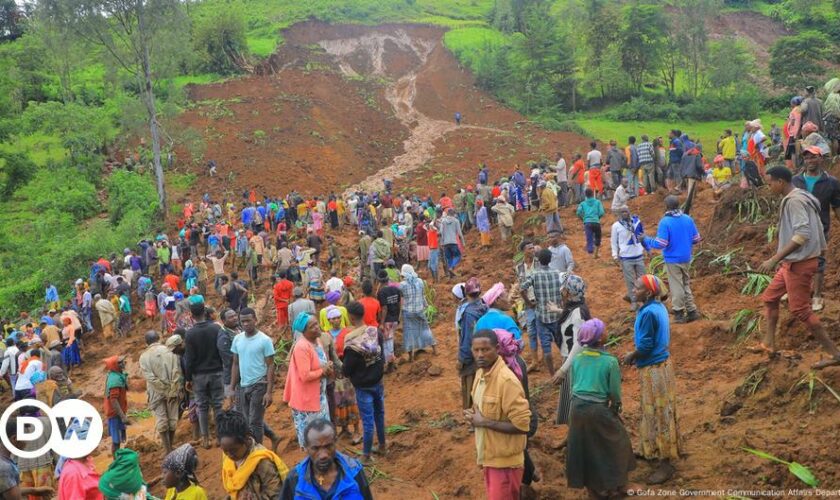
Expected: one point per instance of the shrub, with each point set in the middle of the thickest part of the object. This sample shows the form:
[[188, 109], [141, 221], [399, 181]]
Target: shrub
[[130, 192], [220, 41]]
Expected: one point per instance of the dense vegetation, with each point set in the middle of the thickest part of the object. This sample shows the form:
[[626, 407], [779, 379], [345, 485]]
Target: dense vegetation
[[81, 81]]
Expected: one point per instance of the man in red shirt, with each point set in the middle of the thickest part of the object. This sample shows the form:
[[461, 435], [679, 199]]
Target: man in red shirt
[[283, 290], [173, 281], [371, 305], [576, 177], [445, 202]]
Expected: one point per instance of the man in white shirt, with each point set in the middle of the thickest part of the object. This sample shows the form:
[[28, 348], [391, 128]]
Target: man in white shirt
[[593, 157], [334, 284], [561, 256], [10, 362], [628, 249], [562, 179], [620, 198], [24, 384]]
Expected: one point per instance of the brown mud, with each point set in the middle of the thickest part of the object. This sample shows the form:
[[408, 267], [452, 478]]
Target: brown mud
[[327, 131]]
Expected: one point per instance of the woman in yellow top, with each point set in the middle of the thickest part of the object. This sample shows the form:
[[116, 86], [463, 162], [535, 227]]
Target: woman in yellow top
[[179, 474]]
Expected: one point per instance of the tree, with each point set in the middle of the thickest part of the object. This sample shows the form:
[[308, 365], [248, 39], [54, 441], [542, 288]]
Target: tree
[[220, 42], [544, 60], [730, 62], [795, 61], [16, 169], [692, 37], [131, 32], [11, 20], [598, 40], [641, 40]]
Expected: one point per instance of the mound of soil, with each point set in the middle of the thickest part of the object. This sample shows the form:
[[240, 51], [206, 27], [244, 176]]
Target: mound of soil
[[326, 130]]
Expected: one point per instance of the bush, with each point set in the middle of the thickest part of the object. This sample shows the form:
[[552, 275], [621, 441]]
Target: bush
[[219, 39], [641, 109], [17, 170], [60, 190], [131, 192]]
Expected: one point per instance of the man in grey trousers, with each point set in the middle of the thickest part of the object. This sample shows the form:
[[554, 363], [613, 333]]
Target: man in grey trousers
[[628, 250]]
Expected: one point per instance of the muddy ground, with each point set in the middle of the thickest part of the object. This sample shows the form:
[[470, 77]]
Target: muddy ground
[[337, 105]]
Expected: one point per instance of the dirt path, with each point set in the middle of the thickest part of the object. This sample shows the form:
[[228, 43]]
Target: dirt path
[[371, 50]]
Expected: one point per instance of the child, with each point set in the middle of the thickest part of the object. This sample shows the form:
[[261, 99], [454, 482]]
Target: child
[[591, 211], [179, 474]]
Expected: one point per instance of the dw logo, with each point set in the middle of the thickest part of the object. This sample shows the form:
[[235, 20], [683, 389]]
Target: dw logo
[[31, 428]]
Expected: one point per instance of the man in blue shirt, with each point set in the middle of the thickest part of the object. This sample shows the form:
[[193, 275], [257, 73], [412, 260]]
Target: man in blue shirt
[[676, 236], [252, 372], [673, 178], [473, 311]]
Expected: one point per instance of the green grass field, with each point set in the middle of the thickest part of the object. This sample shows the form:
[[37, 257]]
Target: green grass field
[[41, 148], [707, 132]]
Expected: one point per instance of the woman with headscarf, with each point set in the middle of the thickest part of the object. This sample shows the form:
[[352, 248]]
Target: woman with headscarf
[[344, 396], [660, 438], [190, 275], [756, 146], [482, 222], [598, 452], [306, 382], [332, 299], [417, 334], [70, 355], [123, 480], [509, 348], [183, 316], [791, 131], [497, 316], [170, 309], [573, 314], [364, 365], [179, 478]]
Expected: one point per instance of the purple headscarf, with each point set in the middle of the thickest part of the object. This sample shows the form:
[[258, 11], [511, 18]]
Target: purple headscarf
[[333, 297], [509, 349], [591, 332]]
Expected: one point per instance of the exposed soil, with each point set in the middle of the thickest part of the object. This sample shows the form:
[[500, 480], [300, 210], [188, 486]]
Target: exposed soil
[[435, 457]]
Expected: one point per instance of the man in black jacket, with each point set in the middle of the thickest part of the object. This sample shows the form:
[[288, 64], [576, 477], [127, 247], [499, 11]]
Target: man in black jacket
[[203, 368]]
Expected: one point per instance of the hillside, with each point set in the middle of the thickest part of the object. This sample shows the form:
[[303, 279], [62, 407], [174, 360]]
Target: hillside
[[340, 105]]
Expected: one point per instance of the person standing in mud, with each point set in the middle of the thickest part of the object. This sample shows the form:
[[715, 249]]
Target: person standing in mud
[[501, 416], [162, 371], [458, 118], [203, 368], [801, 242], [658, 429], [473, 310], [676, 236], [826, 189]]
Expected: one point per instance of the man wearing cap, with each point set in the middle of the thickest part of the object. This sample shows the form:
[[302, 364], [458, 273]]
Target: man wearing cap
[[826, 189], [474, 309], [162, 371], [299, 305]]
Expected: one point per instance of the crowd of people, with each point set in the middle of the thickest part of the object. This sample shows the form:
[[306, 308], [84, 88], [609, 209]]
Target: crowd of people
[[340, 307]]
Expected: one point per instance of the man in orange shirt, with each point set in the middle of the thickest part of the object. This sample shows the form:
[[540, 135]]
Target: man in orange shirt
[[576, 177], [371, 305], [173, 281], [283, 290]]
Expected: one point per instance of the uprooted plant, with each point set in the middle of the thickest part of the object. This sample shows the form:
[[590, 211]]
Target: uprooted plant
[[803, 473], [725, 260], [744, 324], [810, 381], [756, 283]]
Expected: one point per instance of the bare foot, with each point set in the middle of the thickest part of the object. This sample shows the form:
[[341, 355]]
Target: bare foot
[[761, 348]]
